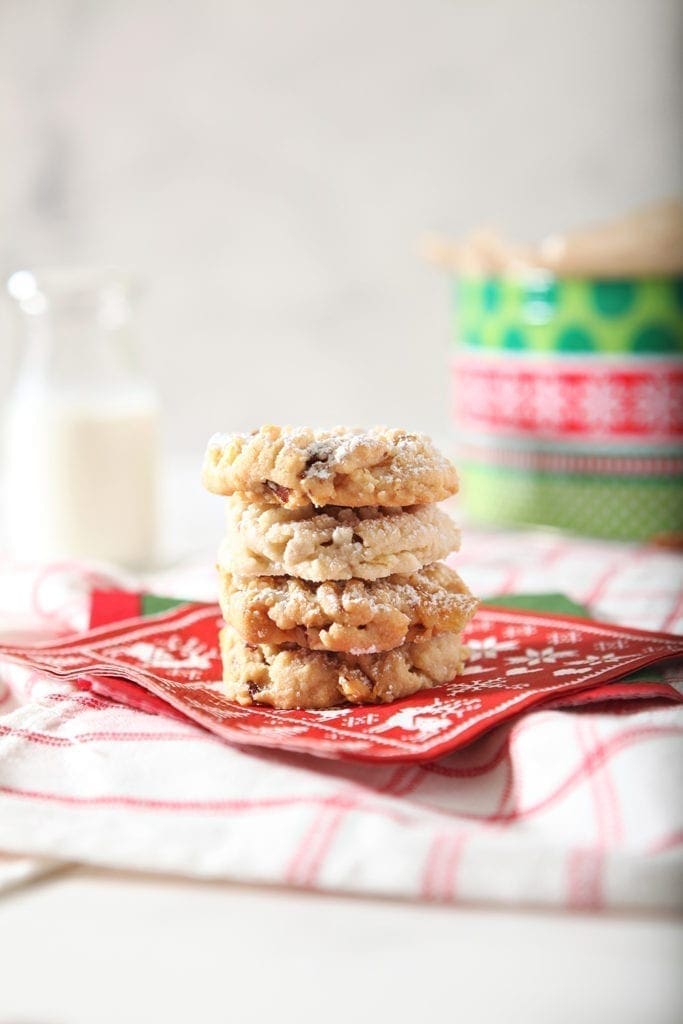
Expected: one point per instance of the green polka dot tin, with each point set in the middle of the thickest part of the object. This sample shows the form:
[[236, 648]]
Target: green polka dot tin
[[567, 397], [542, 313]]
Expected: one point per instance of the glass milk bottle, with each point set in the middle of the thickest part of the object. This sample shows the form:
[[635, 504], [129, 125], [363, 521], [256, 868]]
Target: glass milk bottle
[[80, 425]]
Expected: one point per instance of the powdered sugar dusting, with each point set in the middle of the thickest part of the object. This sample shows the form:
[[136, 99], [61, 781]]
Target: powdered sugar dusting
[[221, 440]]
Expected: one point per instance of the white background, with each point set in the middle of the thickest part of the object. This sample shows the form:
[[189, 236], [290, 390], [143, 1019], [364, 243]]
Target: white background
[[268, 167]]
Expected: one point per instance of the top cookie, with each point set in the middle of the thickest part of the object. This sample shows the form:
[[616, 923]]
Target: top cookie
[[297, 466]]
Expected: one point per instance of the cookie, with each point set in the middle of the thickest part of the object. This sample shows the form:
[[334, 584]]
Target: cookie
[[334, 543], [354, 616], [298, 466], [293, 677]]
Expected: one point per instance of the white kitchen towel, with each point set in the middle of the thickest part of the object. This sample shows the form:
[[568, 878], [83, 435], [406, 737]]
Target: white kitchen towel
[[573, 808]]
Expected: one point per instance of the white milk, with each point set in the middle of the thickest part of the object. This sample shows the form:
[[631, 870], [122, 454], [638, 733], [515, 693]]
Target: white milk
[[80, 476]]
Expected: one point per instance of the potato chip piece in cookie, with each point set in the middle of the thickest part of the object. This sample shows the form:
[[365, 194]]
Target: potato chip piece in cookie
[[293, 677], [353, 616]]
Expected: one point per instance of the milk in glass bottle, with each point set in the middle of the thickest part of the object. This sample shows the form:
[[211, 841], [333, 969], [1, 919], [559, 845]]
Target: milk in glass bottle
[[80, 425]]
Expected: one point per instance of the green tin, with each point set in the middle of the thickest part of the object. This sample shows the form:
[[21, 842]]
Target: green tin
[[599, 506], [539, 312], [518, 478]]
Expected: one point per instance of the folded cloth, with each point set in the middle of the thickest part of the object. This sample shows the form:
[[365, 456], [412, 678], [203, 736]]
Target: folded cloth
[[568, 808], [17, 871]]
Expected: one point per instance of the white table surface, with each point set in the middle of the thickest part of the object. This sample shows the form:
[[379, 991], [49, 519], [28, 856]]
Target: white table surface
[[89, 947], [84, 946]]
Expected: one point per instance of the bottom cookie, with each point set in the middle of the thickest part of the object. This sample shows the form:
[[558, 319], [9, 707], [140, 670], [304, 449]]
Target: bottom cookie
[[293, 677]]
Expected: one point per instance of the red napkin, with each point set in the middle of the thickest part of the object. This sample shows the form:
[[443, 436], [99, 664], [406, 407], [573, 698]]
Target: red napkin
[[170, 664]]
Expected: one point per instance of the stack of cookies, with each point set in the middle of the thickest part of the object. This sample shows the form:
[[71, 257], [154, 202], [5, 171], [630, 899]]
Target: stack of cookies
[[330, 580]]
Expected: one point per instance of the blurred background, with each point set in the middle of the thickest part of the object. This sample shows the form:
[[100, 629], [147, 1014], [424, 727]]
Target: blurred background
[[268, 168]]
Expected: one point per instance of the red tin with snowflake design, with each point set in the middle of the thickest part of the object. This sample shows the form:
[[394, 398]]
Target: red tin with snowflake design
[[629, 400]]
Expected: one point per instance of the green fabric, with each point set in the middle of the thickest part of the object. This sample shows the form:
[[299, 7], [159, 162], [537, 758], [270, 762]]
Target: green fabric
[[618, 508], [152, 604], [552, 604]]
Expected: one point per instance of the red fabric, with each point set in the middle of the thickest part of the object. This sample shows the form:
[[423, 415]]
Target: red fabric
[[113, 606]]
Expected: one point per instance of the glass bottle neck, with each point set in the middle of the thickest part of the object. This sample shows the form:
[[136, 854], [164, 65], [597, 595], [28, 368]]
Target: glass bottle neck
[[76, 335]]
